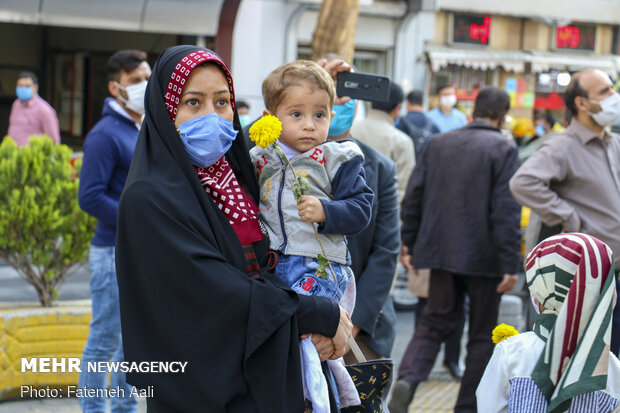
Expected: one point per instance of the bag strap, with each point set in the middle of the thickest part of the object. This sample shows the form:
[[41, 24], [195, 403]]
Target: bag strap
[[355, 349]]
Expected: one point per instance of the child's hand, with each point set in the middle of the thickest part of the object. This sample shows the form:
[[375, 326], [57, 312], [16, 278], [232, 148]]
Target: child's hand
[[310, 209]]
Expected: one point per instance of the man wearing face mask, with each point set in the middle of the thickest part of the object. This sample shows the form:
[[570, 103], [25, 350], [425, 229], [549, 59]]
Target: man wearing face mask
[[108, 150], [374, 251], [446, 116], [573, 180], [30, 113]]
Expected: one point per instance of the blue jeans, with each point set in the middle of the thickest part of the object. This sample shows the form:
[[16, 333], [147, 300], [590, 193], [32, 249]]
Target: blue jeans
[[104, 338], [299, 273]]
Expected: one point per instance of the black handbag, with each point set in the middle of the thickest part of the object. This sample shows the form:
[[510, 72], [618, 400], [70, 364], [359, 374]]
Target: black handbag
[[372, 379]]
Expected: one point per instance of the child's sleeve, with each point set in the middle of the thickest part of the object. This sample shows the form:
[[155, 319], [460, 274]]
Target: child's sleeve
[[349, 210], [494, 388], [257, 156]]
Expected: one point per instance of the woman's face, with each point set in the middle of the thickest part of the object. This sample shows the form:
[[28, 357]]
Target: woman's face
[[205, 91]]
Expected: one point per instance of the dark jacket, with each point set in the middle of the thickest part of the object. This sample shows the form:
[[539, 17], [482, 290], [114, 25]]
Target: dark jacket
[[458, 213], [108, 149], [374, 253]]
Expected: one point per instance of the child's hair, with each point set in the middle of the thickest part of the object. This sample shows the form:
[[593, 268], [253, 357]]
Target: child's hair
[[293, 74]]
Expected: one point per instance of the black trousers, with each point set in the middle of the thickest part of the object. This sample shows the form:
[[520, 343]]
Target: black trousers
[[441, 319], [452, 346]]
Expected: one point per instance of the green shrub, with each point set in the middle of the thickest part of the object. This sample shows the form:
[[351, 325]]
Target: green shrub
[[43, 232]]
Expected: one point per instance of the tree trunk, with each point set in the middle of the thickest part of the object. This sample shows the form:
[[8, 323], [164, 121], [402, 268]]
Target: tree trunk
[[335, 29]]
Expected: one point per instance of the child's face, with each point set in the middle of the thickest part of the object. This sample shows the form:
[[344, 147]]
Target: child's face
[[305, 115]]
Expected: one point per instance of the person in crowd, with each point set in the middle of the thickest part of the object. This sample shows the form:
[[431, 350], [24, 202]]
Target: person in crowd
[[374, 251], [544, 130], [189, 255], [244, 113], [415, 123], [460, 220], [301, 96], [378, 131], [572, 182], [421, 129], [445, 115], [30, 113], [565, 363], [544, 123], [108, 149]]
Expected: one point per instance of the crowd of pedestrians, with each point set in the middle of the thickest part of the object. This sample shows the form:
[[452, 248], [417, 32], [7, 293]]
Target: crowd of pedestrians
[[202, 253]]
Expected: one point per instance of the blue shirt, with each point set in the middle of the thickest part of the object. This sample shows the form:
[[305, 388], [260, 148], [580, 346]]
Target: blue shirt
[[455, 120], [108, 150]]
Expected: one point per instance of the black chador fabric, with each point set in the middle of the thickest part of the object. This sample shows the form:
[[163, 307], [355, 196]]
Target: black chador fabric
[[184, 291]]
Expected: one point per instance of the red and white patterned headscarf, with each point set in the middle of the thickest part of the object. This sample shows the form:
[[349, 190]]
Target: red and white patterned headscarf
[[181, 73], [218, 180], [572, 276]]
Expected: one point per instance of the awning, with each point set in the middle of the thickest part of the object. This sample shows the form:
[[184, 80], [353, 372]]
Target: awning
[[191, 17], [482, 59], [544, 61], [515, 60]]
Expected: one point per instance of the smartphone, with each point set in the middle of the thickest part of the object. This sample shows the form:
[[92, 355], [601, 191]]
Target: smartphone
[[363, 86]]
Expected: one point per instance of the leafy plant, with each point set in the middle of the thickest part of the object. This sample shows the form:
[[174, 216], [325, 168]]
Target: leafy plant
[[43, 232]]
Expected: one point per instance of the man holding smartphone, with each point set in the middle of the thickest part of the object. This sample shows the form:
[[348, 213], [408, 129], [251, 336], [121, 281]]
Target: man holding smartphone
[[379, 132]]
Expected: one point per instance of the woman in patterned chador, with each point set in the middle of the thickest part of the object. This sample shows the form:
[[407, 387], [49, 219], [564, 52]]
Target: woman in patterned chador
[[565, 363], [189, 250]]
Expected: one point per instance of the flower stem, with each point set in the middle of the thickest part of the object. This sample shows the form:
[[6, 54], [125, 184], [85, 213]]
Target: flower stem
[[316, 234]]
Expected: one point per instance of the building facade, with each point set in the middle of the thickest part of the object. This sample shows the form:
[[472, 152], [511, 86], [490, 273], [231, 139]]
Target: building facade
[[527, 47]]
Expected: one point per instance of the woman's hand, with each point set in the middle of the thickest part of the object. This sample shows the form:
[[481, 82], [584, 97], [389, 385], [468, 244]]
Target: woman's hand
[[324, 346], [310, 209], [345, 329]]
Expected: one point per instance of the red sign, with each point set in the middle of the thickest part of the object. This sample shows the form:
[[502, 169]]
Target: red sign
[[576, 36], [481, 31], [567, 37], [552, 101], [471, 29]]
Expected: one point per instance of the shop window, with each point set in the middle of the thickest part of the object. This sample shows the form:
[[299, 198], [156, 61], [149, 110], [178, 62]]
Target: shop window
[[364, 61], [466, 81], [615, 48]]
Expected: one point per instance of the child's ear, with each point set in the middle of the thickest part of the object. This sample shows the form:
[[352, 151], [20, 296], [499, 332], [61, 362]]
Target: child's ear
[[333, 114], [266, 112]]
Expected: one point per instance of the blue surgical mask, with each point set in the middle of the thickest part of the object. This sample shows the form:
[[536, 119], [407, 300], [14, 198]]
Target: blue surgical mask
[[207, 138], [24, 93], [540, 130], [343, 118]]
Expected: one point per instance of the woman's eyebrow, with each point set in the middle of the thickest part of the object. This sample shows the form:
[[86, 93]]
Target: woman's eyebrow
[[193, 92]]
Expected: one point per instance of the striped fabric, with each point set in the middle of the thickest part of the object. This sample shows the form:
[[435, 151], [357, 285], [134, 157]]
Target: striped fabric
[[572, 276], [526, 397]]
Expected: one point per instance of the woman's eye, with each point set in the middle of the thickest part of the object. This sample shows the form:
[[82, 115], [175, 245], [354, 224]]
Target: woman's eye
[[222, 102], [296, 114], [192, 102]]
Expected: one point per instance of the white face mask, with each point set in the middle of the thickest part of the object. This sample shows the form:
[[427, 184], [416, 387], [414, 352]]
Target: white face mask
[[136, 92], [610, 111], [447, 101]]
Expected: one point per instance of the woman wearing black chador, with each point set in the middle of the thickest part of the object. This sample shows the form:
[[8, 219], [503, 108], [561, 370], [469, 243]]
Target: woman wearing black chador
[[188, 251]]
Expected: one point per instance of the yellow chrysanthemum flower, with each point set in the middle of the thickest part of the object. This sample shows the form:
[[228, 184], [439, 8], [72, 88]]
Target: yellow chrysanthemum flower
[[266, 130], [502, 332]]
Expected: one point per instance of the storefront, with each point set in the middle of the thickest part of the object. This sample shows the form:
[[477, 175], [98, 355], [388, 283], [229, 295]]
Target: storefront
[[67, 43]]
